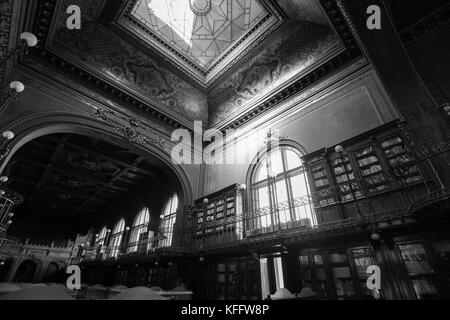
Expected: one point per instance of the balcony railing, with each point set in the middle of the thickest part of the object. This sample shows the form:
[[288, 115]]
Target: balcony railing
[[246, 229], [142, 247], [7, 203]]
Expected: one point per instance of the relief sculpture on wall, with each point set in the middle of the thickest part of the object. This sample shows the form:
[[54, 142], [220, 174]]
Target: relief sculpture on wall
[[119, 61], [283, 60]]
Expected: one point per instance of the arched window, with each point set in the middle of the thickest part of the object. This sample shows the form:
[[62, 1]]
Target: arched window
[[139, 230], [102, 237], [279, 179], [116, 238], [167, 221]]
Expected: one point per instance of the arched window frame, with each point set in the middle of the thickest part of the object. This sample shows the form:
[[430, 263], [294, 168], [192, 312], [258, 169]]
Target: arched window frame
[[116, 238], [276, 214], [102, 236], [140, 226], [168, 218]]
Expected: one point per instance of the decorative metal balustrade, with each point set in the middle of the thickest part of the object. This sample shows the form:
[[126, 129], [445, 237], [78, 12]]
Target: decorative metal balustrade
[[388, 206], [7, 203], [135, 248], [321, 213]]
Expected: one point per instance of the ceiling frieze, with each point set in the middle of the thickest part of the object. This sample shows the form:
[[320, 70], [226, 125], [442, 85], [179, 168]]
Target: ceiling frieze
[[431, 23]]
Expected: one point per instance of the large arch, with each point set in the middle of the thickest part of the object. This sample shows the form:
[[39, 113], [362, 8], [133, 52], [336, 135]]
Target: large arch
[[27, 271], [38, 125]]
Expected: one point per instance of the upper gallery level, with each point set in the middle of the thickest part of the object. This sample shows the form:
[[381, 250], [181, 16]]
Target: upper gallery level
[[367, 184]]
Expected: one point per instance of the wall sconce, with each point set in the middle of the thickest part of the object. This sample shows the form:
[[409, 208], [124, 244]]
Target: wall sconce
[[4, 179], [339, 149], [27, 40], [11, 214], [17, 86], [2, 263], [108, 231], [9, 222], [10, 96], [170, 263], [201, 259], [2, 193], [156, 263], [205, 201], [243, 187], [8, 135], [127, 229]]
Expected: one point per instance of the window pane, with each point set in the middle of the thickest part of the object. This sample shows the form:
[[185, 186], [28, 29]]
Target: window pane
[[261, 172], [293, 160], [299, 186], [282, 197], [275, 163], [303, 211], [168, 221]]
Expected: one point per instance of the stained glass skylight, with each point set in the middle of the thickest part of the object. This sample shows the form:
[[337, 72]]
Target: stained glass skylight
[[201, 30]]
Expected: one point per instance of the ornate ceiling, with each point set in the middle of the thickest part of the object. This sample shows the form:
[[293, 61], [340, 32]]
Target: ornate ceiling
[[274, 50], [198, 34]]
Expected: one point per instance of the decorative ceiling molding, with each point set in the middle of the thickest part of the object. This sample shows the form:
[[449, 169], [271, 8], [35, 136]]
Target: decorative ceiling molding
[[41, 20], [130, 132], [432, 23], [351, 53], [205, 76]]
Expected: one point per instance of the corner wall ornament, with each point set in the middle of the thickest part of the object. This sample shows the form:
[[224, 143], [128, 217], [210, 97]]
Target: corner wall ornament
[[129, 132]]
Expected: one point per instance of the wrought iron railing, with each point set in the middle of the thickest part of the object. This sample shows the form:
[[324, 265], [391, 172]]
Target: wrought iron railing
[[141, 247], [7, 202]]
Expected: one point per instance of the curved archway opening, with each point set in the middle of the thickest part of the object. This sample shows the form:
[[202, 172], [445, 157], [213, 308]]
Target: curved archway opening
[[51, 273], [26, 271], [74, 179]]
